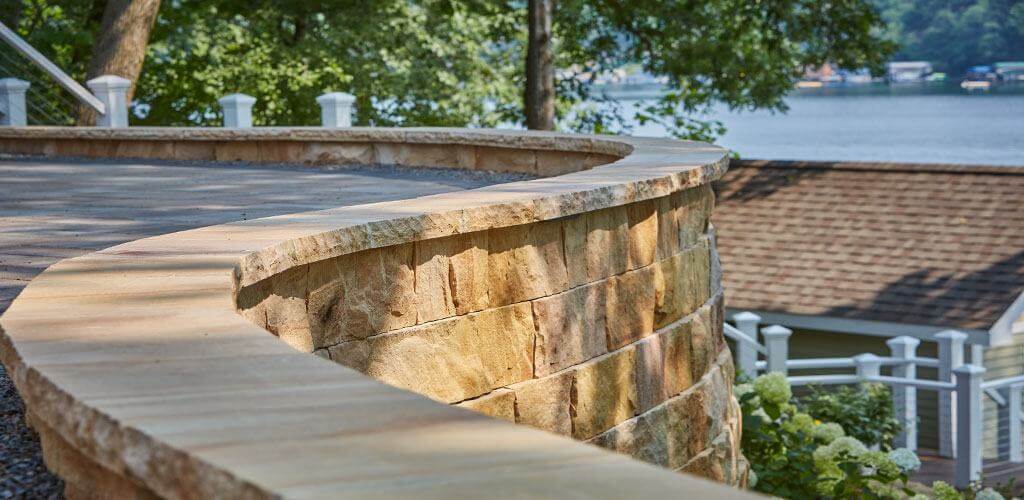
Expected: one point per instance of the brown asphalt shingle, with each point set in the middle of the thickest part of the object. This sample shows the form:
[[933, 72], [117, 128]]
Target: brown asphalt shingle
[[920, 244]]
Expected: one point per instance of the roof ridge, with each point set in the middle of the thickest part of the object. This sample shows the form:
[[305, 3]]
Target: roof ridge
[[945, 168]]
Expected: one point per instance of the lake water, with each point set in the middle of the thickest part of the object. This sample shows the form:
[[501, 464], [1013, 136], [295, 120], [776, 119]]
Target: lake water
[[934, 124]]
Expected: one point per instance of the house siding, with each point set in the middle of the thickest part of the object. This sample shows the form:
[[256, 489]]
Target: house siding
[[1002, 361]]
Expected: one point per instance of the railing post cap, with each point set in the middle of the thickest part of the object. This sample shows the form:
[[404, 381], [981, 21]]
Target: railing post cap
[[866, 358], [776, 330], [745, 316], [336, 98], [237, 98], [13, 84], [903, 340], [951, 335], [108, 82], [969, 369]]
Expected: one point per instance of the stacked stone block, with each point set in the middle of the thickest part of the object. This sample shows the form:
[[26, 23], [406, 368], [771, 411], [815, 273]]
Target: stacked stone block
[[603, 326]]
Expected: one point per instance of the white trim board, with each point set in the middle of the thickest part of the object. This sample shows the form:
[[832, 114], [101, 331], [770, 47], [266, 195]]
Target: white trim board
[[1002, 331], [859, 326]]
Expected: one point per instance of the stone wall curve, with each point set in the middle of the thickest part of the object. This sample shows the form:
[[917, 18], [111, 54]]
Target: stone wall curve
[[586, 304]]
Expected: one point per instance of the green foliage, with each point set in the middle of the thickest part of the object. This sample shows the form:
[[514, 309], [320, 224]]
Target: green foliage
[[865, 411], [954, 35], [792, 455], [461, 62]]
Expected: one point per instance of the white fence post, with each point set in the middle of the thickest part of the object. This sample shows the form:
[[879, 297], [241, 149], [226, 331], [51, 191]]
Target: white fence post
[[951, 356], [112, 91], [237, 110], [1014, 428], [746, 355], [968, 396], [904, 397], [776, 342], [868, 365], [336, 109], [12, 102]]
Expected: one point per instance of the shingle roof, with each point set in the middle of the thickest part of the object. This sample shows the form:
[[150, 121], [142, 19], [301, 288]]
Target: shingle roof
[[918, 244]]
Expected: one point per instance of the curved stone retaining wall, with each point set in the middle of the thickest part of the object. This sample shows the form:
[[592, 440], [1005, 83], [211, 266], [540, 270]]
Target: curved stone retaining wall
[[587, 305]]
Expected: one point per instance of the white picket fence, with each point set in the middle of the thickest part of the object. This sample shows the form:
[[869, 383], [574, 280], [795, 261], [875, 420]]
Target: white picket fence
[[960, 386]]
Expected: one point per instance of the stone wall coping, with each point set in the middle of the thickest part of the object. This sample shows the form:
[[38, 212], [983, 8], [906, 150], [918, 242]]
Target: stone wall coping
[[136, 357]]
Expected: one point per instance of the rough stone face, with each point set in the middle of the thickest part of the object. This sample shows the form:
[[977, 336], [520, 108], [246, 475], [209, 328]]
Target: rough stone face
[[323, 153], [694, 208], [570, 328], [699, 414], [544, 403], [630, 306], [500, 403], [678, 355], [704, 345], [597, 245], [681, 283], [451, 276], [644, 437], [663, 364], [603, 393], [643, 233], [525, 262], [372, 292], [685, 430], [354, 354], [457, 358]]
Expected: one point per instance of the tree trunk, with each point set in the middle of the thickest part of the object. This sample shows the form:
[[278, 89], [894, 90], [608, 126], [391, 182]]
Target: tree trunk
[[540, 71], [121, 44]]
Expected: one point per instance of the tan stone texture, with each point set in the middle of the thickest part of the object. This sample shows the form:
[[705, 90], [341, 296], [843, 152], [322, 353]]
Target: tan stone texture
[[678, 357], [597, 245], [704, 345], [603, 393], [451, 276], [506, 160], [681, 283], [544, 403], [694, 209], [158, 363], [570, 328], [644, 437], [630, 306], [354, 354], [525, 262], [457, 358], [643, 233], [500, 404], [650, 372], [372, 292], [674, 432], [325, 153]]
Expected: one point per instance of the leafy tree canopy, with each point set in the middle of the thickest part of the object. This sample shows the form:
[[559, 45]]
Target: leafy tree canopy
[[460, 62]]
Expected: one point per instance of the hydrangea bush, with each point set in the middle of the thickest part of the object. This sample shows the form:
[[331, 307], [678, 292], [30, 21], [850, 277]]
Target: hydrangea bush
[[793, 454]]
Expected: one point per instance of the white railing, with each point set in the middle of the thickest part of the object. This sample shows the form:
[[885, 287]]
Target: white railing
[[109, 95], [960, 386]]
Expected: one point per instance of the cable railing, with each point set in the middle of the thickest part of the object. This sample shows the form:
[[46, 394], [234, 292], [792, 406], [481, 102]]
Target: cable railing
[[107, 95], [960, 387]]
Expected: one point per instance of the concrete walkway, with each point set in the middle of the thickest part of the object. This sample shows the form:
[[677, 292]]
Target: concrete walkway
[[55, 209]]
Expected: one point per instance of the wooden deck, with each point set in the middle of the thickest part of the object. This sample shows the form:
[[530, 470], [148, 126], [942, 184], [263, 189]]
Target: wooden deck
[[995, 472]]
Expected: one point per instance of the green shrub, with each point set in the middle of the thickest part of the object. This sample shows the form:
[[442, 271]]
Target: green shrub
[[864, 411], [794, 455]]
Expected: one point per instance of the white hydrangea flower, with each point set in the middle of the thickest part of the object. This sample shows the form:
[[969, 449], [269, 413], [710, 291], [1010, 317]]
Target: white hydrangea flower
[[988, 494], [773, 388], [905, 459]]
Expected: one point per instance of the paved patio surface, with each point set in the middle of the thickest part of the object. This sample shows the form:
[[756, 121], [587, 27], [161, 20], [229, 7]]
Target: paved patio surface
[[55, 209]]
